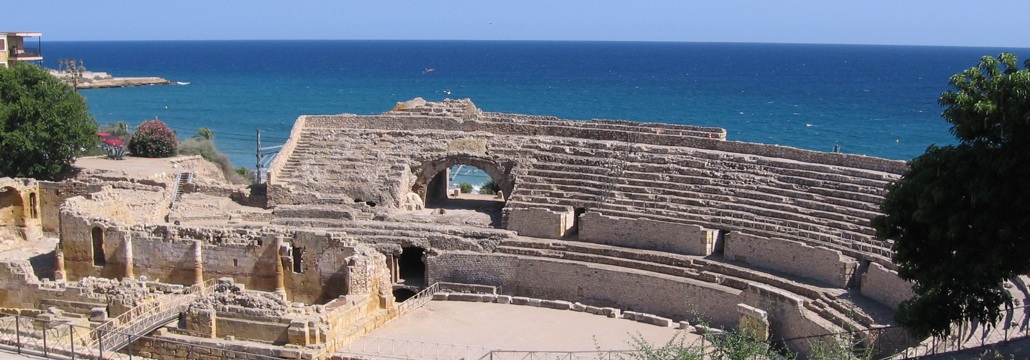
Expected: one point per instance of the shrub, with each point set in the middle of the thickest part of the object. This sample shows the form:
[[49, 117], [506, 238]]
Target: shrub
[[153, 139], [465, 187], [490, 187], [206, 149]]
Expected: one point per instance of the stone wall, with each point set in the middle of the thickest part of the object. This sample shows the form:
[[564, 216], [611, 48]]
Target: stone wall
[[884, 286], [20, 209], [791, 257], [605, 286], [541, 222], [647, 234]]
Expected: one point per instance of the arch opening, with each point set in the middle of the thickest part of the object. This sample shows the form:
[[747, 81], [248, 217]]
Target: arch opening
[[12, 208], [412, 266], [469, 189]]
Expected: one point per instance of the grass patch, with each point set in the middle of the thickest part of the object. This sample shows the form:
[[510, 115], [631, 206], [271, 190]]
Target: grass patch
[[206, 149]]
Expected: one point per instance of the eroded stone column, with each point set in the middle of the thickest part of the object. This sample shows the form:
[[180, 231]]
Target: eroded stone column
[[59, 272], [198, 263], [129, 262], [280, 273]]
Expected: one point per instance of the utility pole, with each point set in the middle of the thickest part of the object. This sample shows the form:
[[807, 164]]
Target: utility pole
[[257, 176]]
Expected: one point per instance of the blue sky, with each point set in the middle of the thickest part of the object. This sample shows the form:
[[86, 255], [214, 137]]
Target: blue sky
[[906, 22]]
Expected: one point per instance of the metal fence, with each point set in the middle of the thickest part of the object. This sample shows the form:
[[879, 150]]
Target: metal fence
[[36, 337]]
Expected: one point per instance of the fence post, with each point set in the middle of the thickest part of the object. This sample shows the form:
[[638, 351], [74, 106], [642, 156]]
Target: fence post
[[100, 342], [17, 333], [46, 353], [71, 338]]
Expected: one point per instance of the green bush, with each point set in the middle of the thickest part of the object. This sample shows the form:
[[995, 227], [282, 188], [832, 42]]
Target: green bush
[[465, 187], [206, 149], [153, 139], [490, 187]]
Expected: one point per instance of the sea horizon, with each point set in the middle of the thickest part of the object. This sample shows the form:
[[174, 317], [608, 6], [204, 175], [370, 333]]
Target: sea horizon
[[876, 100]]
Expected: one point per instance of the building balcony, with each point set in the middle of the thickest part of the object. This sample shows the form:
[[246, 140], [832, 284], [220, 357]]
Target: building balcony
[[25, 54]]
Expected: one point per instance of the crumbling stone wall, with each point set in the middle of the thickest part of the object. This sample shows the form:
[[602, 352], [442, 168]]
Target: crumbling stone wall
[[647, 234], [884, 286], [19, 209], [791, 257]]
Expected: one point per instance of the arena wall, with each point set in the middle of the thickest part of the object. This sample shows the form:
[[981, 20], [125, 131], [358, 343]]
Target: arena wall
[[791, 257], [595, 227], [884, 286]]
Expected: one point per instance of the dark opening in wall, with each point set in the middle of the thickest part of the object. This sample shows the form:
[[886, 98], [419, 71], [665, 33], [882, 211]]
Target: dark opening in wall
[[98, 247], [33, 213], [297, 253], [575, 221], [413, 269], [403, 294]]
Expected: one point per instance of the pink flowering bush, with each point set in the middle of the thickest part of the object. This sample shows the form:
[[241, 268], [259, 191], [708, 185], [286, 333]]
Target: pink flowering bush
[[153, 139]]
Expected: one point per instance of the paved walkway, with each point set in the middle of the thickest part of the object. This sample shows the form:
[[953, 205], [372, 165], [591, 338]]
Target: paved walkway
[[516, 327]]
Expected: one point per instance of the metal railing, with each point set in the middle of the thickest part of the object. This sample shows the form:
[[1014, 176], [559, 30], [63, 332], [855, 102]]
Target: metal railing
[[412, 349], [30, 336], [419, 300], [560, 355], [146, 317]]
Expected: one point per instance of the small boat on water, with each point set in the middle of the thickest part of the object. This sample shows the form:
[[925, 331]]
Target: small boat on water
[[182, 82]]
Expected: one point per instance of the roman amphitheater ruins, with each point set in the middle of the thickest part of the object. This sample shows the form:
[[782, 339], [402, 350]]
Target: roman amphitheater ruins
[[357, 225]]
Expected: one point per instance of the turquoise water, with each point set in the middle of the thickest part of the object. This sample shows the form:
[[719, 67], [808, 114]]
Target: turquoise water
[[873, 100]]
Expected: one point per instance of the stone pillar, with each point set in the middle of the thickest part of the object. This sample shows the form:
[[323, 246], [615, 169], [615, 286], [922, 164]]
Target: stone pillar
[[198, 263], [280, 273], [59, 272], [129, 263]]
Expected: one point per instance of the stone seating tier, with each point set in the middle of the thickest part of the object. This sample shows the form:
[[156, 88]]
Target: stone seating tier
[[823, 300]]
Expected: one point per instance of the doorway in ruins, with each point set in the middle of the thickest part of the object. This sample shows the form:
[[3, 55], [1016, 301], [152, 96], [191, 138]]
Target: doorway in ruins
[[12, 208], [463, 191], [412, 266]]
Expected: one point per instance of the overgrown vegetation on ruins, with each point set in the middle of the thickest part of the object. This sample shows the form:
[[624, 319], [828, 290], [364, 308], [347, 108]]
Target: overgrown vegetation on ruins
[[153, 139], [203, 144], [958, 215], [44, 123]]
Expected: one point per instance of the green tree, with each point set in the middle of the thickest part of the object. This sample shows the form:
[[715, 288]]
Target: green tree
[[465, 187], [206, 133], [490, 187], [44, 123], [153, 139], [958, 216]]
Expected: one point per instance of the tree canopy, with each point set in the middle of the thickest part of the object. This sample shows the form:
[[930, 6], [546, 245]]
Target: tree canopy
[[959, 215], [44, 123]]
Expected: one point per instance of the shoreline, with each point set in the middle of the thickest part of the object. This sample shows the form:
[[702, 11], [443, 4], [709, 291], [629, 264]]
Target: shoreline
[[102, 80]]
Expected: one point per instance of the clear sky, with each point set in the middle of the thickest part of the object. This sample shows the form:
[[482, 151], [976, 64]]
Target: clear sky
[[1002, 23]]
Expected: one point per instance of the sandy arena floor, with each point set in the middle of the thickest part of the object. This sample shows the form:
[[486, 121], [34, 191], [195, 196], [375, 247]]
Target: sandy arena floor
[[516, 327]]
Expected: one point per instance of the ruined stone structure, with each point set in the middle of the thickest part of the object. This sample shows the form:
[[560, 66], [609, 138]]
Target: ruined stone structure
[[656, 221]]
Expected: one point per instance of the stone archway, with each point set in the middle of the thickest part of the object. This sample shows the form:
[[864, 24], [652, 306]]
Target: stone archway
[[431, 170], [12, 207]]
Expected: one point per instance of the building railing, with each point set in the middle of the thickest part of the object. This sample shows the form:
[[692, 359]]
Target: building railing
[[30, 336], [419, 300]]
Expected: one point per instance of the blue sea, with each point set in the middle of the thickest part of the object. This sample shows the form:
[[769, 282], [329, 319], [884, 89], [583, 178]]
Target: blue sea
[[873, 100]]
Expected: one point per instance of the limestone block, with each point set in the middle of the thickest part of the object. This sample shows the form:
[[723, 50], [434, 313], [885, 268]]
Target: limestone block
[[684, 325], [440, 296], [593, 310], [610, 312], [578, 307], [535, 302], [503, 299], [519, 300], [630, 315], [488, 297]]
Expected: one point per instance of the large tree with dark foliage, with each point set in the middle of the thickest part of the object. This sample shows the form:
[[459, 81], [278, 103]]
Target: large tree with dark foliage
[[960, 216], [44, 123]]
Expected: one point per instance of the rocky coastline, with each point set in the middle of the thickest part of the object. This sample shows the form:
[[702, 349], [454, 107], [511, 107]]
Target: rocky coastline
[[99, 80]]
